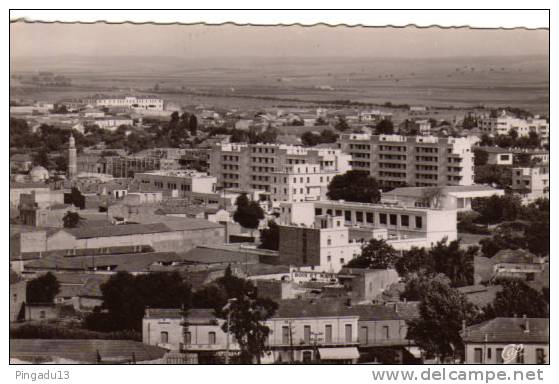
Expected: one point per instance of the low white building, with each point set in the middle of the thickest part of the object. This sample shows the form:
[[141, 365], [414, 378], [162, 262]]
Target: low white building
[[450, 197], [111, 123], [403, 227], [503, 124], [177, 183]]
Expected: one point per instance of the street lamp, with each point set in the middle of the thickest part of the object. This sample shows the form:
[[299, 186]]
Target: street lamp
[[227, 308]]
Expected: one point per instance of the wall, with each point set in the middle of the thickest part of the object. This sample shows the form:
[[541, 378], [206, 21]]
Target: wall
[[18, 296], [529, 352]]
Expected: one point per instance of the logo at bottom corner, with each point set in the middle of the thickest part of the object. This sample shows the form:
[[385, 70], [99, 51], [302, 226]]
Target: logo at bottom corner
[[511, 351]]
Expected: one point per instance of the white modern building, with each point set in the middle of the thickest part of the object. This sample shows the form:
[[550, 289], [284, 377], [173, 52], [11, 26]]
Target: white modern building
[[403, 227], [503, 124], [531, 183], [252, 166], [136, 103], [396, 160], [457, 197], [301, 182], [177, 183]]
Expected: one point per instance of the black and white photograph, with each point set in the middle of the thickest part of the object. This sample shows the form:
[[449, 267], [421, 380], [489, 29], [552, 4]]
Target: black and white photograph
[[236, 193]]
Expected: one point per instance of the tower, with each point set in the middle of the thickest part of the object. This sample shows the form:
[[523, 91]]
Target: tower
[[72, 158]]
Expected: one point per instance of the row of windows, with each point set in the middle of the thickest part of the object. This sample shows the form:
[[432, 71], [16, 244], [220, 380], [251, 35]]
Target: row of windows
[[478, 355], [263, 150], [368, 217], [262, 160]]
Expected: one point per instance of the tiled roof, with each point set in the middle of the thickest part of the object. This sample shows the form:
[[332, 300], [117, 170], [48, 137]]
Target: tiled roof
[[518, 256], [480, 295], [27, 184], [131, 262], [84, 350], [296, 308], [177, 223], [214, 255], [117, 230], [509, 330], [92, 286]]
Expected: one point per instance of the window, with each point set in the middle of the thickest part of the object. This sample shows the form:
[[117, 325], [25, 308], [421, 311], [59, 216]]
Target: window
[[418, 222], [405, 220], [348, 336], [307, 356], [386, 332], [359, 216], [328, 333], [382, 218], [478, 355], [520, 357], [285, 335], [499, 355], [211, 338], [338, 212], [540, 356], [369, 217], [342, 261], [363, 335], [393, 220], [318, 211], [329, 241], [42, 315], [188, 338], [164, 337], [307, 334], [489, 352], [347, 215]]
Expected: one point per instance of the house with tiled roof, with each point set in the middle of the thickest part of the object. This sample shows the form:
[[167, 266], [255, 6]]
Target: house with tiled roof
[[518, 263], [203, 335], [507, 340]]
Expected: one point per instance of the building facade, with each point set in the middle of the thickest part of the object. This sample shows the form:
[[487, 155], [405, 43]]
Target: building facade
[[532, 183], [136, 103], [177, 183], [251, 166], [396, 160]]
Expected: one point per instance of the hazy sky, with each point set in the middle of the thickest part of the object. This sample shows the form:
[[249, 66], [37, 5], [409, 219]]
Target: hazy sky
[[214, 41]]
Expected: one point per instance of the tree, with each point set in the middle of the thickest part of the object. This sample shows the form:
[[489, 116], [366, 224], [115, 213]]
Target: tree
[[501, 239], [71, 219], [442, 310], [43, 289], [309, 139], [377, 254], [480, 157], [432, 196], [354, 185], [270, 236], [496, 209], [125, 298], [41, 158], [247, 315], [456, 263], [341, 124], [384, 127], [517, 299], [416, 260], [328, 136], [193, 125], [498, 175], [76, 198], [248, 213]]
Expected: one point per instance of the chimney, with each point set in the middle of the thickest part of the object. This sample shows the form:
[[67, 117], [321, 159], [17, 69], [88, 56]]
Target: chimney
[[526, 324], [464, 327]]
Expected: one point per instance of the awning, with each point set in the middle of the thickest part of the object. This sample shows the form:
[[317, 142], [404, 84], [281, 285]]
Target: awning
[[415, 351], [348, 353]]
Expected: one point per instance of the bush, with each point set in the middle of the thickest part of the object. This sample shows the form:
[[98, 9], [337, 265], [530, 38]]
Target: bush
[[57, 331]]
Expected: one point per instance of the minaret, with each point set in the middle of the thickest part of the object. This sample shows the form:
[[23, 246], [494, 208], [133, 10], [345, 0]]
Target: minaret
[[72, 158]]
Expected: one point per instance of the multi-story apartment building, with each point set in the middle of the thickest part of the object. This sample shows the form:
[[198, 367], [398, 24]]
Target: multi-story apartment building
[[532, 183], [396, 160], [251, 166], [136, 103], [177, 183], [301, 182], [404, 227], [503, 124]]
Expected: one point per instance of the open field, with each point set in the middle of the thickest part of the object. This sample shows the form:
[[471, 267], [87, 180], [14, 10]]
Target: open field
[[507, 81]]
